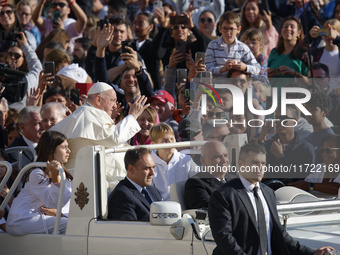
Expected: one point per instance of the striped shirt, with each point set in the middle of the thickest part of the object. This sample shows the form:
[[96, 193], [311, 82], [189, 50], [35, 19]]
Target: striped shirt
[[218, 53]]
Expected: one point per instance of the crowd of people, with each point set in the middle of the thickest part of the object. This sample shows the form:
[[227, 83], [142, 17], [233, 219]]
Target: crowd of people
[[135, 55]]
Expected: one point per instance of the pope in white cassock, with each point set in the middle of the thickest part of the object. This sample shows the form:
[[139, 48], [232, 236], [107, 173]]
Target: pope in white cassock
[[91, 124]]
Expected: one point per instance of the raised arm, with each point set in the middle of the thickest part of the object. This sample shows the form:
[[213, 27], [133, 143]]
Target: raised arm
[[80, 14], [36, 15]]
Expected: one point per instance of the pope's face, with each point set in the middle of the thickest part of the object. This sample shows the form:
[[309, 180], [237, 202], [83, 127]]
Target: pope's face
[[109, 102]]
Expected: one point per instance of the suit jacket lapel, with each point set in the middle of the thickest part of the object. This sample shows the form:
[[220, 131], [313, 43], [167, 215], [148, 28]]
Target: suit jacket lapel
[[242, 192], [135, 192]]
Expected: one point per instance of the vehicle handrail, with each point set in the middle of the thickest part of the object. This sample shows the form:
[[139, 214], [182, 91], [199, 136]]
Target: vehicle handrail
[[60, 200], [18, 179], [157, 146], [308, 206], [19, 150], [61, 192], [7, 175]]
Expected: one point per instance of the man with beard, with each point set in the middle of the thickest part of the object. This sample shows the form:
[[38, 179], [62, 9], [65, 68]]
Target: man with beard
[[80, 49]]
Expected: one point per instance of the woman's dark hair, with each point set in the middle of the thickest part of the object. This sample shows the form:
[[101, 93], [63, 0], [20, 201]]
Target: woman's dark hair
[[149, 17], [209, 12], [47, 145], [16, 26], [336, 4], [14, 126], [24, 66], [55, 91], [244, 22], [280, 48]]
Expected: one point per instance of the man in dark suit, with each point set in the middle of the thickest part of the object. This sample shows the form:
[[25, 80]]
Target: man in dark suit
[[243, 216], [198, 189], [31, 128], [131, 198]]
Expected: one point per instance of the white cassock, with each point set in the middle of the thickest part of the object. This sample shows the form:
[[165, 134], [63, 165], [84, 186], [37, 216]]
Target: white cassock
[[89, 126]]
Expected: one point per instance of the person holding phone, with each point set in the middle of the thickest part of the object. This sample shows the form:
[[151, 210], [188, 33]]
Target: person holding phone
[[251, 18], [34, 67], [10, 24], [74, 28], [329, 54], [178, 37]]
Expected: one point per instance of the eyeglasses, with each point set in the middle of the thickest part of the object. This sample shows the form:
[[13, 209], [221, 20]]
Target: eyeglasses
[[16, 55], [25, 14], [228, 29], [209, 20], [176, 27], [328, 150], [55, 5], [8, 12]]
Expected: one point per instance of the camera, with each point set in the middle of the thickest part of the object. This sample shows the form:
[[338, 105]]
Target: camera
[[12, 80], [9, 36], [179, 19]]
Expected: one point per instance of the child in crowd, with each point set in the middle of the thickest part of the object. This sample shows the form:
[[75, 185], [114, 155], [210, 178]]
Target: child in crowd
[[227, 52], [262, 91], [319, 106], [171, 165], [255, 41]]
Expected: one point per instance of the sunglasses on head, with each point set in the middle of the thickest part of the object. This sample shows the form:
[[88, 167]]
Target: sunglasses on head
[[328, 150], [209, 20], [61, 5], [16, 55], [8, 12], [176, 27]]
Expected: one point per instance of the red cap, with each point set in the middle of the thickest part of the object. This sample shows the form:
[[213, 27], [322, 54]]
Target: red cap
[[162, 96]]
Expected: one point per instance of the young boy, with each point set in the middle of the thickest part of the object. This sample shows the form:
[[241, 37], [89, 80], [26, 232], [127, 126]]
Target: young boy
[[319, 106], [227, 52], [171, 166]]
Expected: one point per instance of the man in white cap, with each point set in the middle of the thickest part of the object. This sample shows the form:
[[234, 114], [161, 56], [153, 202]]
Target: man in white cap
[[91, 124]]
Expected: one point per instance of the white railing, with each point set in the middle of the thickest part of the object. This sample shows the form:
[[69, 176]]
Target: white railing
[[19, 150], [309, 206], [18, 180], [157, 146], [7, 175]]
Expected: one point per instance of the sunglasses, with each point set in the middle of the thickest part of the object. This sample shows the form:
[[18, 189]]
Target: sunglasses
[[176, 27], [55, 5], [220, 115], [328, 150], [209, 20], [16, 55], [8, 12]]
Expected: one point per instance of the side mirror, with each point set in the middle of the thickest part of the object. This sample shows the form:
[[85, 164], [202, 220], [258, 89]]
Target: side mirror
[[165, 213]]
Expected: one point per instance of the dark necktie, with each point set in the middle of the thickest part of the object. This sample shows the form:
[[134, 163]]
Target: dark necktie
[[261, 220], [147, 195]]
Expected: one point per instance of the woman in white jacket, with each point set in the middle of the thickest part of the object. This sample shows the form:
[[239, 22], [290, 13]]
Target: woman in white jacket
[[33, 211]]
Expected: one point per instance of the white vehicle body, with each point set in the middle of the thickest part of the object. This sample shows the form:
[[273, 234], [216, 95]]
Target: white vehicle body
[[89, 232]]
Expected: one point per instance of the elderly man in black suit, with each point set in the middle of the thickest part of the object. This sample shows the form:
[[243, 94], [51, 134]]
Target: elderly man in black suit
[[243, 216], [31, 129], [131, 198], [198, 189]]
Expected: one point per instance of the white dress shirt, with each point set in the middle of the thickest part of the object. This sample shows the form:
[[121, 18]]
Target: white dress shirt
[[249, 188]]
